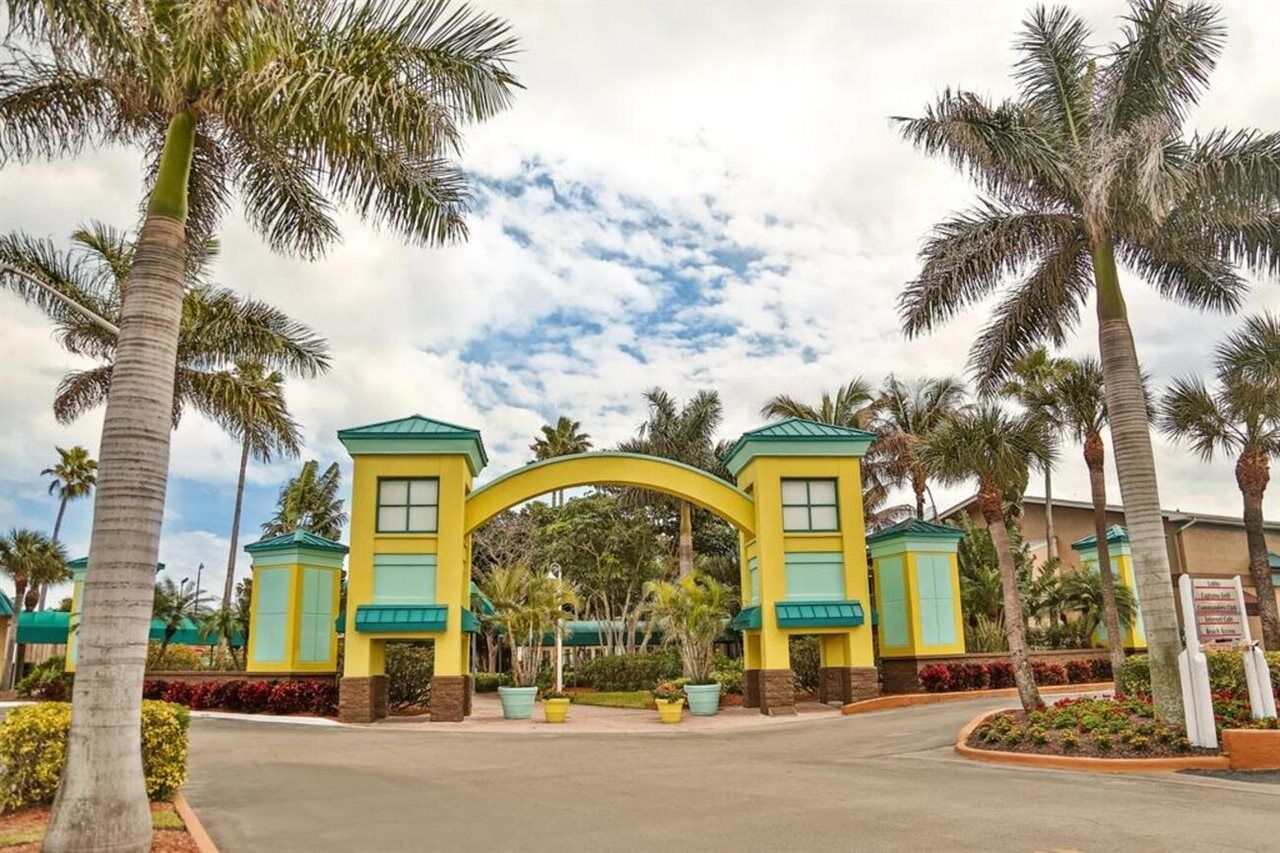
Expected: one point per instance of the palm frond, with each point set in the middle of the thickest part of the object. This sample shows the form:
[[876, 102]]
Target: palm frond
[[81, 391], [49, 110], [68, 274], [1252, 353], [1186, 270], [248, 403], [220, 328], [1053, 72], [1190, 413]]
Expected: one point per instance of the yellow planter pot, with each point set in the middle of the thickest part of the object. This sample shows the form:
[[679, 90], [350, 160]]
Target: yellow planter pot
[[670, 710], [556, 710]]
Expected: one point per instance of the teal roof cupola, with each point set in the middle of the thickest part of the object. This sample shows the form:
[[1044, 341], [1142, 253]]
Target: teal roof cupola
[[1115, 534], [296, 539], [797, 437], [417, 435], [916, 528]]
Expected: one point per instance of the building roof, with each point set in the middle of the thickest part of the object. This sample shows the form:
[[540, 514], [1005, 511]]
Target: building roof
[[1173, 516], [52, 626], [784, 435], [424, 432], [296, 539], [1115, 533], [916, 527]]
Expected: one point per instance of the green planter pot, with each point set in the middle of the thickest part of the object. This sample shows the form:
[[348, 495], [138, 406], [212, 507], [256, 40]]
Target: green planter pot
[[704, 699], [517, 702]]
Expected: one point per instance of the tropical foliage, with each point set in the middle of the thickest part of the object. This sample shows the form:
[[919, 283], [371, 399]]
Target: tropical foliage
[[310, 502], [528, 606], [1086, 168], [31, 561], [175, 605], [907, 414], [74, 476], [692, 613], [564, 439]]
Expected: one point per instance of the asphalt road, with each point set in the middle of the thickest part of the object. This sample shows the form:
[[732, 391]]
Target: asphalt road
[[883, 781]]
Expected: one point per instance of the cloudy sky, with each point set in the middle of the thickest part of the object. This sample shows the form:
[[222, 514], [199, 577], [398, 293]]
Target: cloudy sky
[[692, 195]]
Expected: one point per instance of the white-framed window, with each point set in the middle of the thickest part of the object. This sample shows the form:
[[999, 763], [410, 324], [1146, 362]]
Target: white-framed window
[[809, 505], [408, 505]]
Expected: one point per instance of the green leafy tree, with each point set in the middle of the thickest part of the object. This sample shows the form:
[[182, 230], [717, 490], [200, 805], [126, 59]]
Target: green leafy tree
[[528, 605], [907, 414], [998, 450], [564, 439], [1078, 403], [691, 612], [73, 477], [1085, 169], [1082, 594], [1239, 416], [1030, 380], [310, 502], [226, 624], [31, 560], [285, 107], [684, 434]]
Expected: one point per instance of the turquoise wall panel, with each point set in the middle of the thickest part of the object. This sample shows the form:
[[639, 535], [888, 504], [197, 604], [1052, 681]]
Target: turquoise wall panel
[[937, 604], [317, 615], [404, 579], [753, 571], [273, 611], [892, 601], [815, 576]]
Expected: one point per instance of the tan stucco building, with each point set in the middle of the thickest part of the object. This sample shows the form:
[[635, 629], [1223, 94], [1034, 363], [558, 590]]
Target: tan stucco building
[[1199, 543]]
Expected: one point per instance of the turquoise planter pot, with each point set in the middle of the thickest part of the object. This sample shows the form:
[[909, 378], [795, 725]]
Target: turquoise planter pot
[[517, 702], [704, 699]]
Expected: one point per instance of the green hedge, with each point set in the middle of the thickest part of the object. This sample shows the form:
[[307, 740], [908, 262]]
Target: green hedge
[[727, 672], [1226, 673], [489, 682], [409, 670], [33, 750], [635, 671]]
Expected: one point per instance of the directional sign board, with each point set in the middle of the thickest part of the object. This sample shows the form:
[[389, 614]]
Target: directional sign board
[[1219, 611]]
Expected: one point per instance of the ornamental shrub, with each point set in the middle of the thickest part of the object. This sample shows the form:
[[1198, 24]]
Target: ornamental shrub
[[806, 660], [1079, 671], [1047, 673], [154, 688], [935, 678], [1000, 675], [178, 692], [204, 695], [409, 671], [631, 671], [489, 682], [974, 675], [33, 750], [253, 695], [727, 672], [288, 697], [1226, 673], [48, 681]]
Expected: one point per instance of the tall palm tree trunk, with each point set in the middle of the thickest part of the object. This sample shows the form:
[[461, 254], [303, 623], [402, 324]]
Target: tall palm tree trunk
[[1015, 628], [57, 528], [686, 538], [102, 801], [11, 636], [1094, 457], [229, 585], [1050, 541], [1136, 469], [918, 485], [1252, 475]]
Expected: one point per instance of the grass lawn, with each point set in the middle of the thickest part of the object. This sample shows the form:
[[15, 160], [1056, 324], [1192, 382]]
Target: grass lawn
[[638, 699]]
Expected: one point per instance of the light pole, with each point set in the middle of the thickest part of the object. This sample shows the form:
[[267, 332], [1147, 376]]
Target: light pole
[[555, 574]]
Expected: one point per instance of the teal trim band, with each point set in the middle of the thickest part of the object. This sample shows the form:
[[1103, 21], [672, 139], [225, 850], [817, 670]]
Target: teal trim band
[[819, 614], [915, 544], [392, 619], [748, 619], [298, 557], [745, 451]]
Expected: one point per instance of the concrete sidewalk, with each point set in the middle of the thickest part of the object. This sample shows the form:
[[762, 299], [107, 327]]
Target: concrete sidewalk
[[885, 780]]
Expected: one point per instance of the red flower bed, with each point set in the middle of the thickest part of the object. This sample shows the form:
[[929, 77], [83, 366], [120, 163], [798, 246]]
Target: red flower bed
[[276, 697], [953, 677]]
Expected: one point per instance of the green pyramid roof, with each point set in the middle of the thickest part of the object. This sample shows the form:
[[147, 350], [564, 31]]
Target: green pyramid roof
[[416, 434], [916, 527], [296, 539], [1115, 533], [797, 437]]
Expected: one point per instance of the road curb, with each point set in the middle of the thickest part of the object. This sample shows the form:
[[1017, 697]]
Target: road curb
[[194, 827], [1081, 763], [904, 700]]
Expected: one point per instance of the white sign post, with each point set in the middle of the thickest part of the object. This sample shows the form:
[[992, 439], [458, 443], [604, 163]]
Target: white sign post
[[1213, 617]]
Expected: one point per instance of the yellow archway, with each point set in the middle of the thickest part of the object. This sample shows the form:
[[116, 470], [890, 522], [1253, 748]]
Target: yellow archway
[[612, 469]]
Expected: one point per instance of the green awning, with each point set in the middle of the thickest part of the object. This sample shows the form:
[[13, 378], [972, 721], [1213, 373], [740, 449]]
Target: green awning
[[401, 619], [43, 626], [470, 624], [748, 619], [6, 605], [819, 614], [480, 602]]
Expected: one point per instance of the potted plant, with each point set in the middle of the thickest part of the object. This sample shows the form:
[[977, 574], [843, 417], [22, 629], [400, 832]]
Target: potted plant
[[555, 705], [669, 697], [527, 606], [691, 613]]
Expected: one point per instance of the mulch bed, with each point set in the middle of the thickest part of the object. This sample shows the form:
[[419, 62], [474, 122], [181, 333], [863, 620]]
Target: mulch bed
[[162, 840]]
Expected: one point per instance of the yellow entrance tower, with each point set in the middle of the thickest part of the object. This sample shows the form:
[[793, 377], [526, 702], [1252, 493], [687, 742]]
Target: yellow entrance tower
[[805, 569], [1121, 557]]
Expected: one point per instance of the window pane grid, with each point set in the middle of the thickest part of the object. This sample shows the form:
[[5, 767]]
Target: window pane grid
[[809, 505], [408, 505]]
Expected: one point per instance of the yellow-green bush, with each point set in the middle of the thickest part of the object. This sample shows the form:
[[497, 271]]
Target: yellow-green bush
[[33, 750]]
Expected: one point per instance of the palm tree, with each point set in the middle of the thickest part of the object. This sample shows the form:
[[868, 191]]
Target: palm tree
[[691, 613], [1031, 376], [527, 605], [684, 434], [253, 407], [226, 623], [853, 405], [1078, 403], [1241, 417], [563, 439], [285, 108], [218, 328], [998, 450], [310, 503], [175, 606], [31, 560], [905, 415], [1083, 593], [73, 477], [1086, 166]]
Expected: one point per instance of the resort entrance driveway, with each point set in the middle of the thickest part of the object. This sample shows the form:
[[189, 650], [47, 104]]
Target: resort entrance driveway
[[880, 781]]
